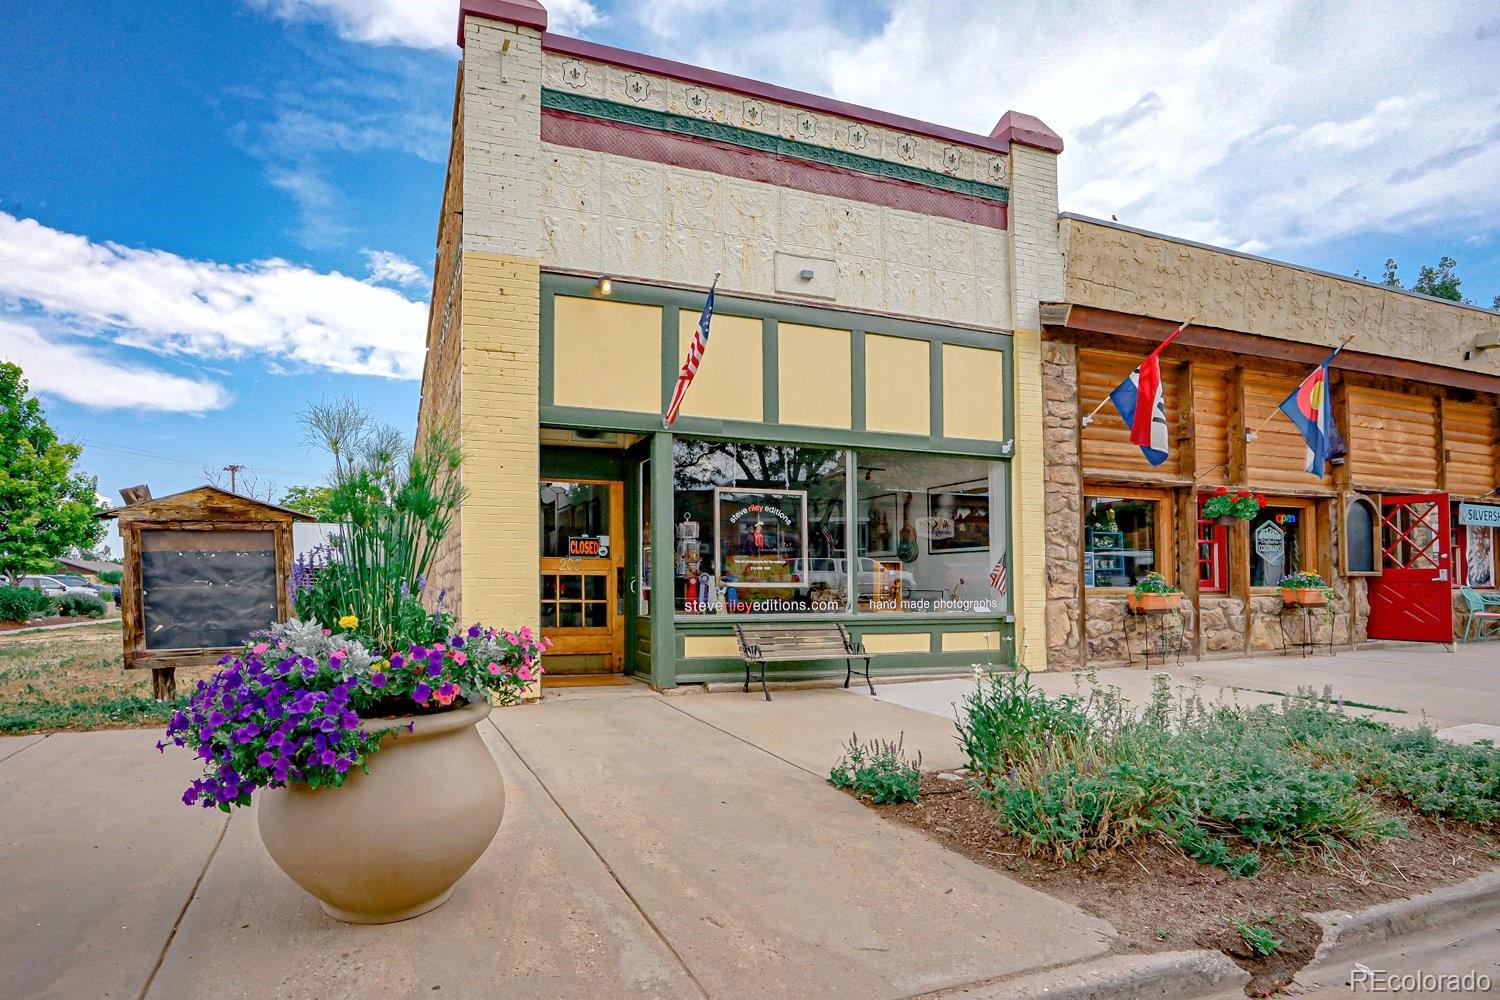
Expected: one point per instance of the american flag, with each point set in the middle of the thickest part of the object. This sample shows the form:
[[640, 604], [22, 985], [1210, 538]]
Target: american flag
[[998, 577], [694, 358]]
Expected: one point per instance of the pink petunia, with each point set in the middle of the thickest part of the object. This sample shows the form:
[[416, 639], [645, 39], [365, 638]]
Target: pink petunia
[[524, 673], [493, 668], [259, 648], [460, 657]]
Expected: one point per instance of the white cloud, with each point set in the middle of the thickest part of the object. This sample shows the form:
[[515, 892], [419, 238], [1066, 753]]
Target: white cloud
[[389, 266], [418, 24], [287, 315], [1276, 124], [80, 374]]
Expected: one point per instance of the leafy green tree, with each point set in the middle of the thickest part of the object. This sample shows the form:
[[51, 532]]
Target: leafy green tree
[[314, 500], [1440, 282], [46, 508]]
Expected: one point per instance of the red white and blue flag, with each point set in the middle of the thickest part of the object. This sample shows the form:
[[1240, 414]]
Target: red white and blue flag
[[998, 577], [694, 358], [1310, 407], [1142, 402]]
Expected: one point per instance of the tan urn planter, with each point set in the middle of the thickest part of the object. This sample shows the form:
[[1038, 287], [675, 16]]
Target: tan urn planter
[[1156, 604], [1303, 597], [391, 844]]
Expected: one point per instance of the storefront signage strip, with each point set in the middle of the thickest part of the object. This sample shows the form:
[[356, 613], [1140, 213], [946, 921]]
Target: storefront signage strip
[[1480, 515]]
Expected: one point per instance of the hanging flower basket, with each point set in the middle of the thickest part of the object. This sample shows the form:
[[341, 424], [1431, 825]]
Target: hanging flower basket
[[1305, 590], [1227, 506]]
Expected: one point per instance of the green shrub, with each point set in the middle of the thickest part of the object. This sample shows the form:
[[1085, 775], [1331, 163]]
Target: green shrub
[[21, 604], [1074, 774], [112, 577], [81, 605], [1260, 939], [878, 770]]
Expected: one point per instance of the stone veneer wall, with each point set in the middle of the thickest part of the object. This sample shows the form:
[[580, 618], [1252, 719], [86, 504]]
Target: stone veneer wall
[[1063, 500]]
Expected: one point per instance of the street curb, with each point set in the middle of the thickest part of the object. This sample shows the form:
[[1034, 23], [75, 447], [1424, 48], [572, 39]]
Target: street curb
[[1345, 932], [811, 683], [1167, 975]]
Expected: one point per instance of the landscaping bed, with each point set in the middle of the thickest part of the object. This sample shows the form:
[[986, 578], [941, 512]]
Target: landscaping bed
[[43, 622], [73, 679], [1189, 825]]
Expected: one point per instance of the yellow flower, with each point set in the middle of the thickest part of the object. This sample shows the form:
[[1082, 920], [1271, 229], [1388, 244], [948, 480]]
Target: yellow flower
[[349, 621]]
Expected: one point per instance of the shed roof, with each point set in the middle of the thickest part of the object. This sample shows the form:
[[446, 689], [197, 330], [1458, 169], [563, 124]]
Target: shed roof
[[204, 503]]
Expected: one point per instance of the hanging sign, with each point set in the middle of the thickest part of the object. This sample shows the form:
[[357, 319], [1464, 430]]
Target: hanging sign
[[1479, 515], [1270, 543], [589, 546]]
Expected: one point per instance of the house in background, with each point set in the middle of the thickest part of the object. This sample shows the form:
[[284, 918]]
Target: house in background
[[863, 440], [89, 569]]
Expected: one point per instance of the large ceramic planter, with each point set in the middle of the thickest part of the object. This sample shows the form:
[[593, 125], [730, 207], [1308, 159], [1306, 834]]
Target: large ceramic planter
[[1154, 604], [391, 844], [1303, 597]]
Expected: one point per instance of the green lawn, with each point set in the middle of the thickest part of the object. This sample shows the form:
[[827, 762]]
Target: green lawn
[[73, 679]]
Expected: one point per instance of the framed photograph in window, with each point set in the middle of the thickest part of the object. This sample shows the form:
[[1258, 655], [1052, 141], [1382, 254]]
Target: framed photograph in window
[[882, 526], [1479, 556], [966, 506], [760, 536]]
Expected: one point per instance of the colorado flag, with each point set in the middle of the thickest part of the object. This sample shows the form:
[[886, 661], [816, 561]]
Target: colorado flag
[[1142, 403], [1310, 407]]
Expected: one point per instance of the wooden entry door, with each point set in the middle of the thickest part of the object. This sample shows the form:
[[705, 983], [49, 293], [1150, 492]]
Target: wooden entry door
[[1412, 598], [583, 569]]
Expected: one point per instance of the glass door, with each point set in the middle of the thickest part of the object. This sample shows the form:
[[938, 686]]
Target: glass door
[[582, 575]]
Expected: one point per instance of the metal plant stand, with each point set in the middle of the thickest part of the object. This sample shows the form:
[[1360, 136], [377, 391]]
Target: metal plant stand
[[1305, 638], [1158, 633]]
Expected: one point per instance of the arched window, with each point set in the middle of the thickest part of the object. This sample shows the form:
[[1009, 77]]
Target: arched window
[[1360, 537]]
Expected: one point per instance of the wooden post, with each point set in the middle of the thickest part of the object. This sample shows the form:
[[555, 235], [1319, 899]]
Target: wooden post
[[1187, 503], [1238, 538], [164, 683]]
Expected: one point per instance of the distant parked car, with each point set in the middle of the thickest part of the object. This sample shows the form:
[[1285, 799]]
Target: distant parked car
[[54, 586], [73, 580]]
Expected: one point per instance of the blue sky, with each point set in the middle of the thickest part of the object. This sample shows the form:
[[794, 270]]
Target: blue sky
[[212, 214]]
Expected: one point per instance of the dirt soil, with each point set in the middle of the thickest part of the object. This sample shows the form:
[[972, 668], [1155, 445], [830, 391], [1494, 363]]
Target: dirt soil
[[1160, 900], [6, 626]]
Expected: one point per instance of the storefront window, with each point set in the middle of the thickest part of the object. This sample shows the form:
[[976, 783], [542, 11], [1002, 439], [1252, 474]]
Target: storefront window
[[759, 528], [929, 534], [643, 569], [1213, 557], [575, 517], [1474, 555], [1277, 536], [1119, 541]]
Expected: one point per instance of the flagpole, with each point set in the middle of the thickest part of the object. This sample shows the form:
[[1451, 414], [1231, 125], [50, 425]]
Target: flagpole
[[669, 416], [1159, 348], [1252, 435]]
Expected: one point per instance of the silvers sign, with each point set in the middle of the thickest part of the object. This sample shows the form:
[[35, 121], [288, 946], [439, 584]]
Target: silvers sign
[[1481, 515]]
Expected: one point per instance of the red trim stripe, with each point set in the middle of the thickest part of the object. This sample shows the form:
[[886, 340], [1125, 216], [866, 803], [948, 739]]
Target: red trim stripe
[[564, 129]]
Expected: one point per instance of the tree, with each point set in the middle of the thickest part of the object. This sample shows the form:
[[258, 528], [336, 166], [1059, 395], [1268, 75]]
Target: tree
[[314, 500], [1441, 282], [46, 508], [246, 484]]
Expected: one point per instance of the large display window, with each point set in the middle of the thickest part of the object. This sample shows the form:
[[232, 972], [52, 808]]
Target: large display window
[[763, 529]]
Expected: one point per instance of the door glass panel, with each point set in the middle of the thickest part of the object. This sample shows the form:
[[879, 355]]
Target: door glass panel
[[575, 519], [570, 616], [549, 614], [594, 588], [596, 614], [549, 587], [570, 587]]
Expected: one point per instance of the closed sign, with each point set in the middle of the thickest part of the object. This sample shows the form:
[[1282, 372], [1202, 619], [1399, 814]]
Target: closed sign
[[589, 546], [1479, 515]]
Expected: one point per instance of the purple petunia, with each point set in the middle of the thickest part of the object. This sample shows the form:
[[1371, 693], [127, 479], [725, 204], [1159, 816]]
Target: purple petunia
[[377, 680], [421, 692]]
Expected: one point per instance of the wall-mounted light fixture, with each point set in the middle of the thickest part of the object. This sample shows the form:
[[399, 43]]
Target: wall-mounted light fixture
[[1008, 447], [603, 285]]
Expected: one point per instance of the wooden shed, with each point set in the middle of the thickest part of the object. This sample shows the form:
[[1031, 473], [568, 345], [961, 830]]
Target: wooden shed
[[203, 569]]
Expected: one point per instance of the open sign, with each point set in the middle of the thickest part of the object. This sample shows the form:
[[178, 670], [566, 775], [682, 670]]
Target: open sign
[[589, 546]]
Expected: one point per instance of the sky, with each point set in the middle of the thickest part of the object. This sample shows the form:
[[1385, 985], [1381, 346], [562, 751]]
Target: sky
[[214, 214]]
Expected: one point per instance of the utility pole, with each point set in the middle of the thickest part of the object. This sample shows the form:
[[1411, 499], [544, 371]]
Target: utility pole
[[234, 471]]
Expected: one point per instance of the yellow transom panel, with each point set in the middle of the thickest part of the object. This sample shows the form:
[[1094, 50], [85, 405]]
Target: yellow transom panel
[[816, 375], [897, 385], [606, 355], [728, 384], [973, 393]]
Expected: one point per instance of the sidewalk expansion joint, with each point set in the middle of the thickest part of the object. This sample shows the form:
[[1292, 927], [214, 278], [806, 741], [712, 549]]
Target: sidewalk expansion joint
[[748, 743], [22, 749], [660, 935], [161, 958]]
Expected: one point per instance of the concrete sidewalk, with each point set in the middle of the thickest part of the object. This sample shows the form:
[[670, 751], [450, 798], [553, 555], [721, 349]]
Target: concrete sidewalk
[[651, 846], [1456, 693]]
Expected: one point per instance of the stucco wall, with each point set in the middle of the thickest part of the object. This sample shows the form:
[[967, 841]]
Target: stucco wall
[[1127, 271]]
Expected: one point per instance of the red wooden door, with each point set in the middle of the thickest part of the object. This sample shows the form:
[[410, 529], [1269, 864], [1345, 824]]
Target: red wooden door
[[1412, 599]]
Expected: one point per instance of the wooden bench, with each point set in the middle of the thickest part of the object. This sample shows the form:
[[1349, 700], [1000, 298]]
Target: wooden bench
[[778, 643]]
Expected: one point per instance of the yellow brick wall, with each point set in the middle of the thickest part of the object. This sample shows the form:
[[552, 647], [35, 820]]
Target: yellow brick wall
[[501, 358], [1028, 527]]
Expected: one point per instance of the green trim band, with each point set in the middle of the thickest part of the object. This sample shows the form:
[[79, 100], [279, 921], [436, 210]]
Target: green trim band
[[733, 135]]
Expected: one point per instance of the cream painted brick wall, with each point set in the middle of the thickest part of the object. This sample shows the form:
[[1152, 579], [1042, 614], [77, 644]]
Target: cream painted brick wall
[[653, 222], [502, 136], [1036, 276]]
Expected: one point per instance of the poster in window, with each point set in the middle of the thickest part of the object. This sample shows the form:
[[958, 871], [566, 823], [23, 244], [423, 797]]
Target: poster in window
[[882, 523], [761, 537], [1479, 556], [966, 506]]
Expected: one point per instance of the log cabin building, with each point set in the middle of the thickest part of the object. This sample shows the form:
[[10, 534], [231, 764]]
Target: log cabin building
[[1396, 527]]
